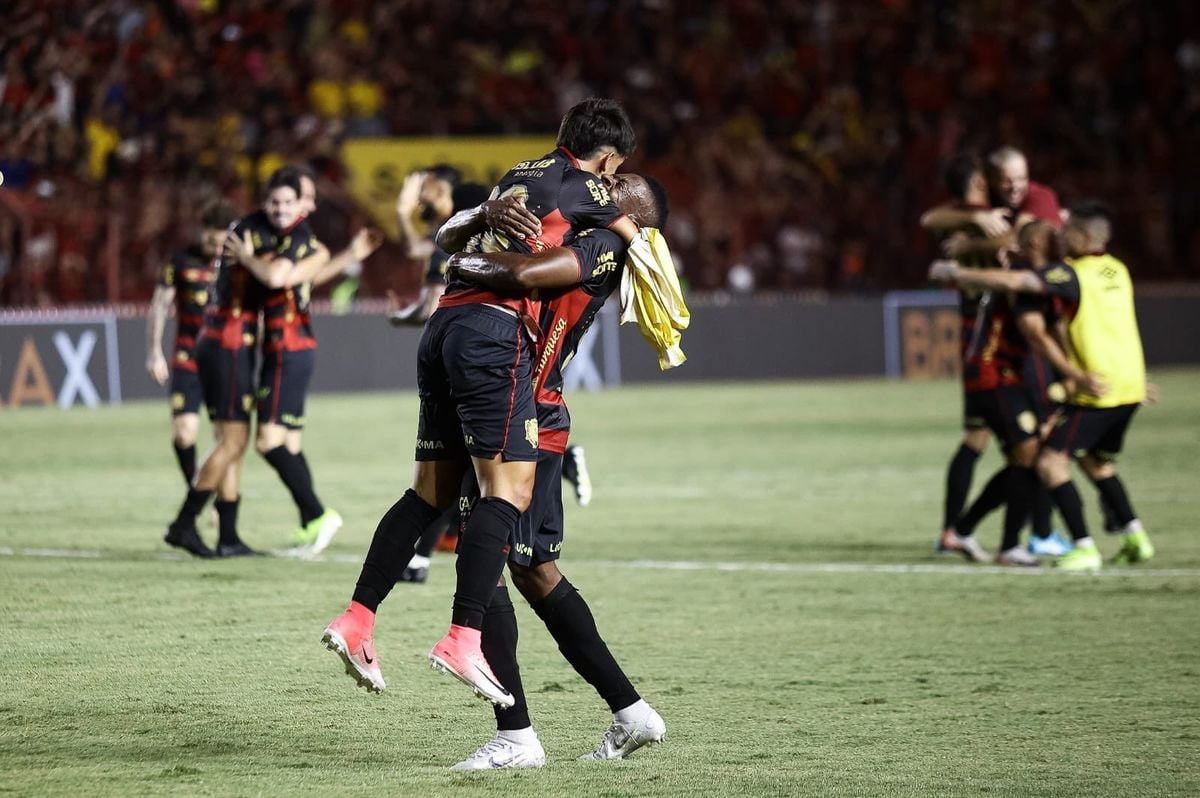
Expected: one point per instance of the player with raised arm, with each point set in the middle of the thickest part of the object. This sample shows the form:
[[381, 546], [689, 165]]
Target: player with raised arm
[[185, 282], [477, 405], [1093, 293]]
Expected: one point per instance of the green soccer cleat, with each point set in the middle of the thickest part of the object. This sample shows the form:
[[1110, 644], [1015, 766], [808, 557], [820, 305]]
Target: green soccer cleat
[[1135, 547], [315, 536], [1080, 558]]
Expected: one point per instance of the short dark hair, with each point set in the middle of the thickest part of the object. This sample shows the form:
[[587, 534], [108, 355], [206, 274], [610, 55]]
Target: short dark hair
[[594, 124], [217, 215], [958, 171], [661, 208], [444, 171], [1091, 210], [284, 177]]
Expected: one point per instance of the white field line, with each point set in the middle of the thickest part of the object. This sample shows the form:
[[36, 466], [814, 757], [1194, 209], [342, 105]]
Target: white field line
[[688, 565]]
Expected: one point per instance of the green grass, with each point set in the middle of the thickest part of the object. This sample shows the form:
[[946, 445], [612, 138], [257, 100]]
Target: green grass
[[137, 674]]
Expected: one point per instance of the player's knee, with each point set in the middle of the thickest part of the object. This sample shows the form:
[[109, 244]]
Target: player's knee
[[1097, 468], [1025, 454], [535, 582], [1053, 468], [263, 445], [977, 439]]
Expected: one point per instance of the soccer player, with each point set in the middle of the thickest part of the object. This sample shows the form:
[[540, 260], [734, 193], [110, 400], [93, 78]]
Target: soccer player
[[185, 281], [435, 194], [477, 405], [1094, 294], [287, 362], [575, 281]]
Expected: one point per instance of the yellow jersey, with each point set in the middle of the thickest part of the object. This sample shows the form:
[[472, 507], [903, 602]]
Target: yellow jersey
[[1095, 294]]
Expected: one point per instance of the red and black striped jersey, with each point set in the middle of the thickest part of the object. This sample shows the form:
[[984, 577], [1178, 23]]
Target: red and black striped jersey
[[190, 272], [564, 319], [558, 192]]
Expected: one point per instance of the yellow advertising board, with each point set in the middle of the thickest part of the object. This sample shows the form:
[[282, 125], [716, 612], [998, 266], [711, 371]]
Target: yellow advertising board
[[378, 166]]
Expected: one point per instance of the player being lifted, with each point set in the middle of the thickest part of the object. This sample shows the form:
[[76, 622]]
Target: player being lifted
[[477, 411], [574, 281], [185, 282], [1093, 293]]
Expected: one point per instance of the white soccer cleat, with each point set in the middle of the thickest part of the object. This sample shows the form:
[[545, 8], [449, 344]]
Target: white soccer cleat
[[327, 526], [625, 737], [500, 753], [968, 547], [1018, 557]]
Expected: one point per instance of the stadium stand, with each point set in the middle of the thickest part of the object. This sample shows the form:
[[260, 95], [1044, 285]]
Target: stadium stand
[[799, 140]]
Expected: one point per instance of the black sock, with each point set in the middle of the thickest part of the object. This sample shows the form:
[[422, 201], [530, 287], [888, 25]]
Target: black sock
[[186, 455], [433, 533], [570, 622], [1018, 498], [1043, 508], [392, 548], [227, 513], [192, 505], [481, 556], [293, 470], [958, 483], [1066, 498], [1114, 498], [499, 645], [991, 497]]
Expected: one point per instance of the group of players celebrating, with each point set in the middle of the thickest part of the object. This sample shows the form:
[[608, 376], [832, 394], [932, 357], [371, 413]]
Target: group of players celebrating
[[248, 281], [1052, 363], [533, 265]]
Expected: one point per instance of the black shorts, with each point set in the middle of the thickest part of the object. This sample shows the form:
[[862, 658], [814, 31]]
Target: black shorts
[[473, 377], [538, 536], [283, 386], [187, 393], [1008, 411], [1098, 431], [228, 379], [1044, 387]]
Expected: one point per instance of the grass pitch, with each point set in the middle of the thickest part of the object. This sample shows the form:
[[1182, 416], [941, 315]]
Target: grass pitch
[[810, 663]]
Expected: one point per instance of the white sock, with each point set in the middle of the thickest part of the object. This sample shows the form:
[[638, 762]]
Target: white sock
[[526, 736], [632, 713], [418, 561], [1085, 542], [1133, 526]]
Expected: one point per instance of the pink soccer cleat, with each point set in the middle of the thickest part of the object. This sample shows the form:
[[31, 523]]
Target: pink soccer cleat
[[350, 636], [459, 654]]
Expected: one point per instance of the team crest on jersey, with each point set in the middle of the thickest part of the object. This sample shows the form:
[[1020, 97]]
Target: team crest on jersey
[[1108, 272], [531, 431], [1057, 275], [177, 401]]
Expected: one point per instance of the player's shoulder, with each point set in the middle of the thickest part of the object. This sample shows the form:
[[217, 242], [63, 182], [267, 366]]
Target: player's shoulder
[[255, 221], [552, 163], [1058, 274]]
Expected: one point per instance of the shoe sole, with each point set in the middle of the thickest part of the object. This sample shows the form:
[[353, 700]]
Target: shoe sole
[[322, 542], [337, 644], [439, 664]]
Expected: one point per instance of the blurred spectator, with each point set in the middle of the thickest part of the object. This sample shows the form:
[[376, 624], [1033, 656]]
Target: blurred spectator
[[798, 140]]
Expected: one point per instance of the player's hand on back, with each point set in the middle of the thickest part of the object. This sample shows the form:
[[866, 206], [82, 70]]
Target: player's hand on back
[[240, 249], [1093, 384], [156, 364], [956, 245], [510, 217], [991, 222]]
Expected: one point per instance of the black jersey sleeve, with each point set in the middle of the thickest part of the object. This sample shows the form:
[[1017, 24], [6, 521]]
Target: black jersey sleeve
[[297, 244], [1061, 282], [168, 275], [585, 202], [601, 255]]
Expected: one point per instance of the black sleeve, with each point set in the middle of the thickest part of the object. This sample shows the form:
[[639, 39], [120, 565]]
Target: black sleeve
[[435, 270], [1061, 282], [1029, 303], [601, 255], [298, 244], [169, 273], [585, 202]]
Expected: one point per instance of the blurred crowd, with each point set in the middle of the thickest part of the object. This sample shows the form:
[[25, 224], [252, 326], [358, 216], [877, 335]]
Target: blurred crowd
[[799, 141]]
